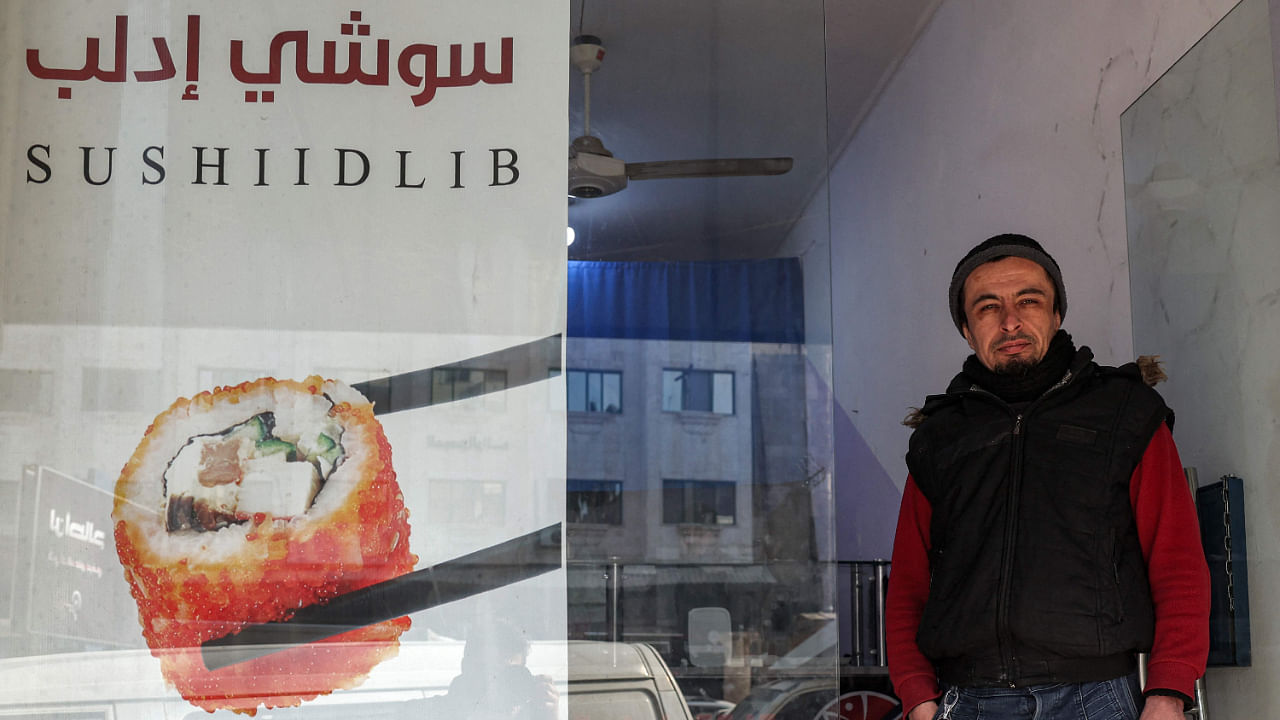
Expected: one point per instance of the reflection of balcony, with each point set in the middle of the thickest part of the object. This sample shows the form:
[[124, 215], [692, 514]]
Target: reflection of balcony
[[590, 423], [607, 576], [652, 601], [702, 423], [698, 539]]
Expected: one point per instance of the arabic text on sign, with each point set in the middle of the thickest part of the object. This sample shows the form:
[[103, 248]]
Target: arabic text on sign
[[417, 65]]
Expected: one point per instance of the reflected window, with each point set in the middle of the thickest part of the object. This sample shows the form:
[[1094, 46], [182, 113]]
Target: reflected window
[[594, 501], [26, 391], [211, 377], [697, 391], [702, 502], [623, 703], [467, 501], [594, 391], [107, 389], [461, 383], [10, 493]]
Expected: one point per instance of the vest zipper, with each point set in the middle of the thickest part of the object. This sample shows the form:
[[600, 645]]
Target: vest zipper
[[1009, 670], [1008, 660]]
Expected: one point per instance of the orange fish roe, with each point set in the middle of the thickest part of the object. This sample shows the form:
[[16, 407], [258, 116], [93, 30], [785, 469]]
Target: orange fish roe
[[277, 566]]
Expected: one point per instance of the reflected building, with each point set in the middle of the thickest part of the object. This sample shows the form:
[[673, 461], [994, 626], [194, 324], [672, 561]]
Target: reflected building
[[696, 486]]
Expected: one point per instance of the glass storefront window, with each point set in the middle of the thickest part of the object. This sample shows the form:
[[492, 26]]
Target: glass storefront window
[[232, 224], [710, 296]]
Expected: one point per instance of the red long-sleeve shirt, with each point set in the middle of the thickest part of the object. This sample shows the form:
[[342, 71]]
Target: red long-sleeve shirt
[[1169, 534]]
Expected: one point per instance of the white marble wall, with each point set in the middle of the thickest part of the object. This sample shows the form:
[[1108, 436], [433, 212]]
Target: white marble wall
[[1202, 171]]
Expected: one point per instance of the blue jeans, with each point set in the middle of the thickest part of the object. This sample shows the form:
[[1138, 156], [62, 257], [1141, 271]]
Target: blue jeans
[[1119, 699]]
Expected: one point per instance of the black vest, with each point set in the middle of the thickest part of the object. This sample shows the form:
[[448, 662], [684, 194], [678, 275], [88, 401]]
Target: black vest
[[1037, 573]]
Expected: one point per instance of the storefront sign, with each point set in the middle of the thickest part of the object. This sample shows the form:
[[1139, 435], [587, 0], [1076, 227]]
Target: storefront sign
[[74, 588]]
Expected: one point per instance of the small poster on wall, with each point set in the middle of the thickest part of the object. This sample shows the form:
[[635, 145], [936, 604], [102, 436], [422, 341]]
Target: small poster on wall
[[291, 276], [72, 588]]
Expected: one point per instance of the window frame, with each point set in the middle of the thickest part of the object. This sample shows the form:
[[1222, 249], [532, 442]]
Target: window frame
[[688, 516], [476, 488], [712, 374], [588, 372], [599, 483], [488, 374]]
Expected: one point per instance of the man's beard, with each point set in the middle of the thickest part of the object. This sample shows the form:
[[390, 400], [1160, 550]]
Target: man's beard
[[1016, 367]]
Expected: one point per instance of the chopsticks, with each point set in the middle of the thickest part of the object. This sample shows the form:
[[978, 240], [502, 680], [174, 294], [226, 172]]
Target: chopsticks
[[487, 569]]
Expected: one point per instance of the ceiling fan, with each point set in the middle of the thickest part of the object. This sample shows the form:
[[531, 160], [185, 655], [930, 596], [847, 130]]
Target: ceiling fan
[[595, 172]]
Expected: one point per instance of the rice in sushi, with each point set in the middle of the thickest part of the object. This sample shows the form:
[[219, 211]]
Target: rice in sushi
[[243, 504]]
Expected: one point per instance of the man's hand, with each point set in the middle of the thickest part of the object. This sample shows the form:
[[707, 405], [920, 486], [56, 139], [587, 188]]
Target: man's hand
[[1158, 707], [545, 699], [926, 710]]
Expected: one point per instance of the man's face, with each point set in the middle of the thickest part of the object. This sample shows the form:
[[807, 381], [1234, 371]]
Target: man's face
[[1009, 315]]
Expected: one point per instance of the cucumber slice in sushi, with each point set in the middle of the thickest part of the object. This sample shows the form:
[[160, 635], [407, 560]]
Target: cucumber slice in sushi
[[273, 446]]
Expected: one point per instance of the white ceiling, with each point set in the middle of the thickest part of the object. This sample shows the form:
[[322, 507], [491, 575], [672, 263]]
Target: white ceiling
[[726, 78]]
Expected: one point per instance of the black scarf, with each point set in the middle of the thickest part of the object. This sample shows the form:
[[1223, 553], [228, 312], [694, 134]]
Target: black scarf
[[1032, 384]]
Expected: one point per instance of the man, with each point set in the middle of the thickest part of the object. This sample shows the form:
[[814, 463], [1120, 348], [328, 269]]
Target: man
[[1046, 534], [495, 682]]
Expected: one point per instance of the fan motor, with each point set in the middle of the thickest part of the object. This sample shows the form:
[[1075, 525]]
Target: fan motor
[[593, 175]]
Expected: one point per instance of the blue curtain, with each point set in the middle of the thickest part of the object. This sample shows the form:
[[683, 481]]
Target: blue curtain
[[733, 301]]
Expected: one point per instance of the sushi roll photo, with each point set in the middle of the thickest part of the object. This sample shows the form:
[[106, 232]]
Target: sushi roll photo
[[243, 504]]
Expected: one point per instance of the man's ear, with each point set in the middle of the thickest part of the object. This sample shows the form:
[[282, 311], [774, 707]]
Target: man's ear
[[968, 337]]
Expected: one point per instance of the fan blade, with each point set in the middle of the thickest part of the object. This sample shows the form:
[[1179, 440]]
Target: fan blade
[[722, 167]]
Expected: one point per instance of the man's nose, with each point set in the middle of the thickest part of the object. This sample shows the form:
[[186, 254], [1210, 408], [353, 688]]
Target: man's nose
[[1010, 319]]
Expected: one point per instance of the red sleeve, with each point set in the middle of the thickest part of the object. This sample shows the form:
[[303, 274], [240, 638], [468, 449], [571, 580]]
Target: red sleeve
[[1170, 536], [913, 676]]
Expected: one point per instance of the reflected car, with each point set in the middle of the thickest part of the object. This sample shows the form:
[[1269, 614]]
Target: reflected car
[[705, 708], [814, 699], [594, 680], [611, 681]]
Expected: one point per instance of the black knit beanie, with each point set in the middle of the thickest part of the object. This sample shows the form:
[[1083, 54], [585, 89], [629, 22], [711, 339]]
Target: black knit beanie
[[997, 248]]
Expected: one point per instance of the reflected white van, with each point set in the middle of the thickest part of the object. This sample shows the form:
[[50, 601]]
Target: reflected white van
[[606, 681]]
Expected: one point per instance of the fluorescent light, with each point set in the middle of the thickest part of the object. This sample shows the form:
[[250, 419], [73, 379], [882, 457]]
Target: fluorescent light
[[569, 236]]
